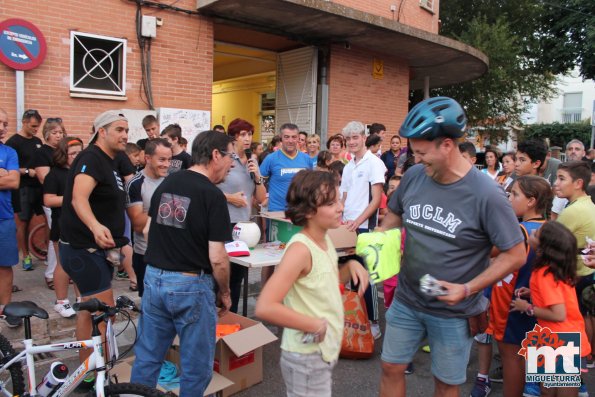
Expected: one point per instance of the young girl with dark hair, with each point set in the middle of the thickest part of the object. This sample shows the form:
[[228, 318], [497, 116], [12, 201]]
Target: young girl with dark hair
[[303, 293], [551, 297], [529, 198]]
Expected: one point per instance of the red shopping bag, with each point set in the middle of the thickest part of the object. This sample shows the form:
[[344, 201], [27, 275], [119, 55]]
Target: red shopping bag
[[358, 341]]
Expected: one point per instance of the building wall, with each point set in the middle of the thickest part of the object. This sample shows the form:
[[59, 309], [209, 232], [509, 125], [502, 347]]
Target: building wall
[[355, 95], [182, 58], [407, 12], [553, 110]]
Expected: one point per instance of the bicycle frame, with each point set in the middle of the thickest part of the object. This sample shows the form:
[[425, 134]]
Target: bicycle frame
[[94, 361]]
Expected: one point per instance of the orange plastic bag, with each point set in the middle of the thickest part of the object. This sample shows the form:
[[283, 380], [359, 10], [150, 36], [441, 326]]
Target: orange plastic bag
[[226, 329], [358, 341]]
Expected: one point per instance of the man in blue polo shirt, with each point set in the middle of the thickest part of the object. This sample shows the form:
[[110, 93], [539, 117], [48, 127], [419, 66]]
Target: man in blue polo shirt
[[9, 180], [281, 166]]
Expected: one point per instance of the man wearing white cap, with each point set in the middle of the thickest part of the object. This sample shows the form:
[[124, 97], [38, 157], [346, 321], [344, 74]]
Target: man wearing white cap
[[92, 222]]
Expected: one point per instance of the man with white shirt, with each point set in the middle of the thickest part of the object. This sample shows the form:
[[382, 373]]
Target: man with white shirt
[[361, 191]]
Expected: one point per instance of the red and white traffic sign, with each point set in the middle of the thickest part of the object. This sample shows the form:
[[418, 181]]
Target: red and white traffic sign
[[22, 45]]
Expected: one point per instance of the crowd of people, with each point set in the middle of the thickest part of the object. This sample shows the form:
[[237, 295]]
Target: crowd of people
[[159, 216]]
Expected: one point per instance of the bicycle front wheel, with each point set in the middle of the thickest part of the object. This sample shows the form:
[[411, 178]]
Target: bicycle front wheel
[[131, 390], [12, 382], [38, 241]]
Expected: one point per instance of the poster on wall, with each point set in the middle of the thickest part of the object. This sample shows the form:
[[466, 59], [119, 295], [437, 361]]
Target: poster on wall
[[135, 123], [191, 121]]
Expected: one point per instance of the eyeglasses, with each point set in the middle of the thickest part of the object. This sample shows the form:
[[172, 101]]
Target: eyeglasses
[[233, 155], [54, 120], [73, 154]]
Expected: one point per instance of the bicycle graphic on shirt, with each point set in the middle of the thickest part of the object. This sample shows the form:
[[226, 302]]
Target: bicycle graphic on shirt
[[173, 210]]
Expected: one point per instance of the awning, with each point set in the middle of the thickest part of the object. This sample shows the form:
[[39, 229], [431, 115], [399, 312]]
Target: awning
[[444, 60]]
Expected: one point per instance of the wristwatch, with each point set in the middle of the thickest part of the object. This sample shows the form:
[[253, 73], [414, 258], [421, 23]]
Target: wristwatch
[[259, 180]]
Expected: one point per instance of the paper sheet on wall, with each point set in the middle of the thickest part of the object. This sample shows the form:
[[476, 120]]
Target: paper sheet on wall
[[191, 121]]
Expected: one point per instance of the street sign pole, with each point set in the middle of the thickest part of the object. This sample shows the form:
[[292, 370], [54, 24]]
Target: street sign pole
[[20, 93]]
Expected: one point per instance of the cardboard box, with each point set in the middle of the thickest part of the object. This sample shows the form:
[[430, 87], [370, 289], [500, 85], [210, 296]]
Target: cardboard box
[[281, 229], [122, 371], [238, 357]]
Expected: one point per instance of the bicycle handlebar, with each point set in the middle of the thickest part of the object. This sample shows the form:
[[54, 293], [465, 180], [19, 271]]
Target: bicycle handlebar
[[95, 305]]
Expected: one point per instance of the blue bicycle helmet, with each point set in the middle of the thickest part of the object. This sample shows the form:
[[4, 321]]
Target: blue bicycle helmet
[[433, 118]]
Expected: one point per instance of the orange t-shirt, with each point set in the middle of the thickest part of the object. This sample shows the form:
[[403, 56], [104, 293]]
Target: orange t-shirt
[[545, 292]]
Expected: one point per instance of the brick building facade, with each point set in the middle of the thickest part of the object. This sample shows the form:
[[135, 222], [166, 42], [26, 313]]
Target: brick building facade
[[182, 55]]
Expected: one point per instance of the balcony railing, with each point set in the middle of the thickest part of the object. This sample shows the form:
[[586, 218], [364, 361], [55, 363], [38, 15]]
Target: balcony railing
[[572, 115]]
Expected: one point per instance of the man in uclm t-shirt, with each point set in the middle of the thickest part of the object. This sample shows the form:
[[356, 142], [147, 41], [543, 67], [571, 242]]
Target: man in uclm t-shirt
[[444, 204]]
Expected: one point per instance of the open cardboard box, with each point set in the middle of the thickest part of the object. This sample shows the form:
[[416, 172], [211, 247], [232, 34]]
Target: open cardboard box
[[238, 356], [122, 371], [281, 229]]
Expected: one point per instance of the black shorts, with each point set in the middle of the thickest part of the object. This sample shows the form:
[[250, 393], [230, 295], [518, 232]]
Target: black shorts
[[30, 200], [91, 272]]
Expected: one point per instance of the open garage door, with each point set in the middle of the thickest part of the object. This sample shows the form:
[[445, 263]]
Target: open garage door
[[296, 88]]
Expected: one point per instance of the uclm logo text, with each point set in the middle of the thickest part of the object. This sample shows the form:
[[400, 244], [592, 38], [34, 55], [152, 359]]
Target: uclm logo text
[[552, 358]]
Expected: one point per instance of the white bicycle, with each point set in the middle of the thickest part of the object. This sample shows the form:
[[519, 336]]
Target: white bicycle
[[11, 374]]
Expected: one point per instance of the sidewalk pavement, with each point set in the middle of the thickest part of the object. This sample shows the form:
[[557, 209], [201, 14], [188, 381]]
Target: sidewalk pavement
[[35, 289], [350, 377]]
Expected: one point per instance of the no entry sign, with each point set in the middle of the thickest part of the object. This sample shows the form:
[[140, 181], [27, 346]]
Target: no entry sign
[[22, 45]]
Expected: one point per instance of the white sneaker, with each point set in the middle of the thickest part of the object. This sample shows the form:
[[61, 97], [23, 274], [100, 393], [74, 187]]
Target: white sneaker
[[376, 333], [64, 309]]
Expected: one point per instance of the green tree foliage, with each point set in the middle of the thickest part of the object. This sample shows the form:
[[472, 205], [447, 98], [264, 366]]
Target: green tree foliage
[[528, 42], [558, 134], [567, 36], [501, 96]]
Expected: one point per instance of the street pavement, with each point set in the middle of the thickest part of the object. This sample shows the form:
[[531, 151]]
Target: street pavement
[[350, 377]]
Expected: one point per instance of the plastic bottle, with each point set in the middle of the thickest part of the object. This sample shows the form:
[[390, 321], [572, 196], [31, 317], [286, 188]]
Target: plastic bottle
[[55, 376]]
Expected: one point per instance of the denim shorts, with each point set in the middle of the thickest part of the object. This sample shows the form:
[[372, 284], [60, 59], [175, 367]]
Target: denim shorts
[[8, 243], [449, 339]]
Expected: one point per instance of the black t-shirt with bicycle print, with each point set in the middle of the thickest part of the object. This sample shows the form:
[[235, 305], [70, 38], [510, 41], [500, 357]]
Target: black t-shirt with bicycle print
[[187, 211]]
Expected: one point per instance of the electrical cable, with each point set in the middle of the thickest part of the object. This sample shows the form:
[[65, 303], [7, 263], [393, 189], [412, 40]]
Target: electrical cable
[[567, 9]]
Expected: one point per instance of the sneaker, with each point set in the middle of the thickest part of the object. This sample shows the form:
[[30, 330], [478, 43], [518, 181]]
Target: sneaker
[[27, 263], [496, 375], [531, 390], [482, 388], [121, 275], [582, 391], [426, 348], [376, 333], [64, 309], [11, 321], [410, 369]]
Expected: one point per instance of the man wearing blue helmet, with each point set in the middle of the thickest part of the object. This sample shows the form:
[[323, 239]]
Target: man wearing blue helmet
[[445, 205]]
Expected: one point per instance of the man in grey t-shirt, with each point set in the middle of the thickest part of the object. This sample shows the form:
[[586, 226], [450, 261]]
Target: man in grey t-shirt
[[452, 216], [139, 190]]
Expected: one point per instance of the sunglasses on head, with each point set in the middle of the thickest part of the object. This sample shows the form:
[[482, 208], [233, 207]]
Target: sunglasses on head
[[30, 112], [54, 120]]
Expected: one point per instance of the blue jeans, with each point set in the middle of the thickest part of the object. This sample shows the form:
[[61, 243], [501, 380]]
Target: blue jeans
[[180, 304]]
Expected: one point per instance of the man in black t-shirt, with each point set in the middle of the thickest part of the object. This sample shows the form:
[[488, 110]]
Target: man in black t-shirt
[[27, 200], [92, 221], [186, 260], [181, 160]]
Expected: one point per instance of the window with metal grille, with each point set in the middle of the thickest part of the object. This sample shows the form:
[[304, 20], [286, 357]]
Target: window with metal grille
[[427, 4], [97, 64]]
